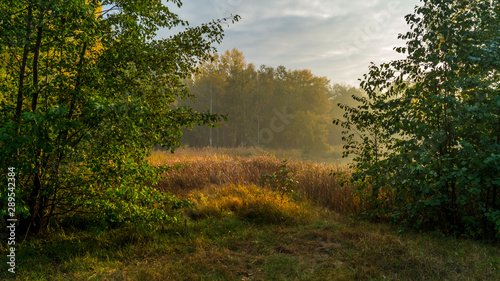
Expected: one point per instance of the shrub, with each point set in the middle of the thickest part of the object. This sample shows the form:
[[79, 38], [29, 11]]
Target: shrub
[[282, 180]]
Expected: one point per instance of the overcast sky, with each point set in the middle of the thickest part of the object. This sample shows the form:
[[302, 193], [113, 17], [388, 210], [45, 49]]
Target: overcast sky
[[333, 38]]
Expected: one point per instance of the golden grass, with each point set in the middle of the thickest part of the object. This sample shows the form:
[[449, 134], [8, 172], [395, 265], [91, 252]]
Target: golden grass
[[222, 167], [251, 203]]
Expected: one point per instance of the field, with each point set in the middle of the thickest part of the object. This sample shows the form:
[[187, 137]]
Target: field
[[220, 167], [240, 230]]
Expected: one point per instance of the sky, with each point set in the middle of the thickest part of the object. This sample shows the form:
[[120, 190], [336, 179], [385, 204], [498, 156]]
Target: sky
[[333, 38]]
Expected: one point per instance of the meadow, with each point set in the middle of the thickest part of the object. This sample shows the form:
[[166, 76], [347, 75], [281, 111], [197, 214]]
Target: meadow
[[241, 229], [242, 166]]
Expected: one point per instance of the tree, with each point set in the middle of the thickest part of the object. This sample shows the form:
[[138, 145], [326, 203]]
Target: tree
[[429, 129], [308, 132], [346, 95], [87, 92]]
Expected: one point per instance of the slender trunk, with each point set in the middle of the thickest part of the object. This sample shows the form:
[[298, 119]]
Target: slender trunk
[[37, 200], [78, 80], [22, 70], [258, 131], [31, 223], [64, 134], [35, 66], [211, 112], [23, 223]]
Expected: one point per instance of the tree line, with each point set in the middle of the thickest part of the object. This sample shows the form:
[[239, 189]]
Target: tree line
[[265, 106]]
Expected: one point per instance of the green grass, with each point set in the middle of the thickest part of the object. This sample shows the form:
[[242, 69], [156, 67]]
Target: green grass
[[227, 245]]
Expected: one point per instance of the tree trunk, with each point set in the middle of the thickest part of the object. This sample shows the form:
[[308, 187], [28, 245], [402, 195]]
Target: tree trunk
[[35, 65], [22, 70]]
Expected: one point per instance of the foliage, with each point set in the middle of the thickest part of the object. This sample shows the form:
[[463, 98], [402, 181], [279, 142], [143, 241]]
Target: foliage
[[86, 93], [308, 131], [342, 94], [429, 127]]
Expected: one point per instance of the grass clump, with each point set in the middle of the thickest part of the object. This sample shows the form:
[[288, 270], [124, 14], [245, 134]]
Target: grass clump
[[249, 202]]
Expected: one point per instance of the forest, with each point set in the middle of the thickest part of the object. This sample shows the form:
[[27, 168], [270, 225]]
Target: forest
[[266, 106]]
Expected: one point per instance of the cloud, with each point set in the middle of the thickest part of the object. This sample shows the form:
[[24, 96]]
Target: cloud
[[337, 39]]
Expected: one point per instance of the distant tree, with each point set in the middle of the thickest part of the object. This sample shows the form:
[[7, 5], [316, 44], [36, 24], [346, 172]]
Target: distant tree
[[86, 93], [226, 84], [308, 132], [430, 126], [306, 97], [341, 94]]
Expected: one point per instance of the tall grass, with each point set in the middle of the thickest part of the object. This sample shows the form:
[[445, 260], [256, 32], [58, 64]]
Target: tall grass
[[220, 167], [250, 203]]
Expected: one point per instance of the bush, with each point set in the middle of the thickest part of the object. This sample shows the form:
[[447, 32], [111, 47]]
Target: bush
[[281, 181]]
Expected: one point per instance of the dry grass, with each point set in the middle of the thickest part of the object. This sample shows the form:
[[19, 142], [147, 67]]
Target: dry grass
[[251, 203], [220, 167]]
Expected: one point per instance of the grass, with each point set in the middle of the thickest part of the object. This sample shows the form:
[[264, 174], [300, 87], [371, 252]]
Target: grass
[[241, 231], [209, 167], [248, 202]]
